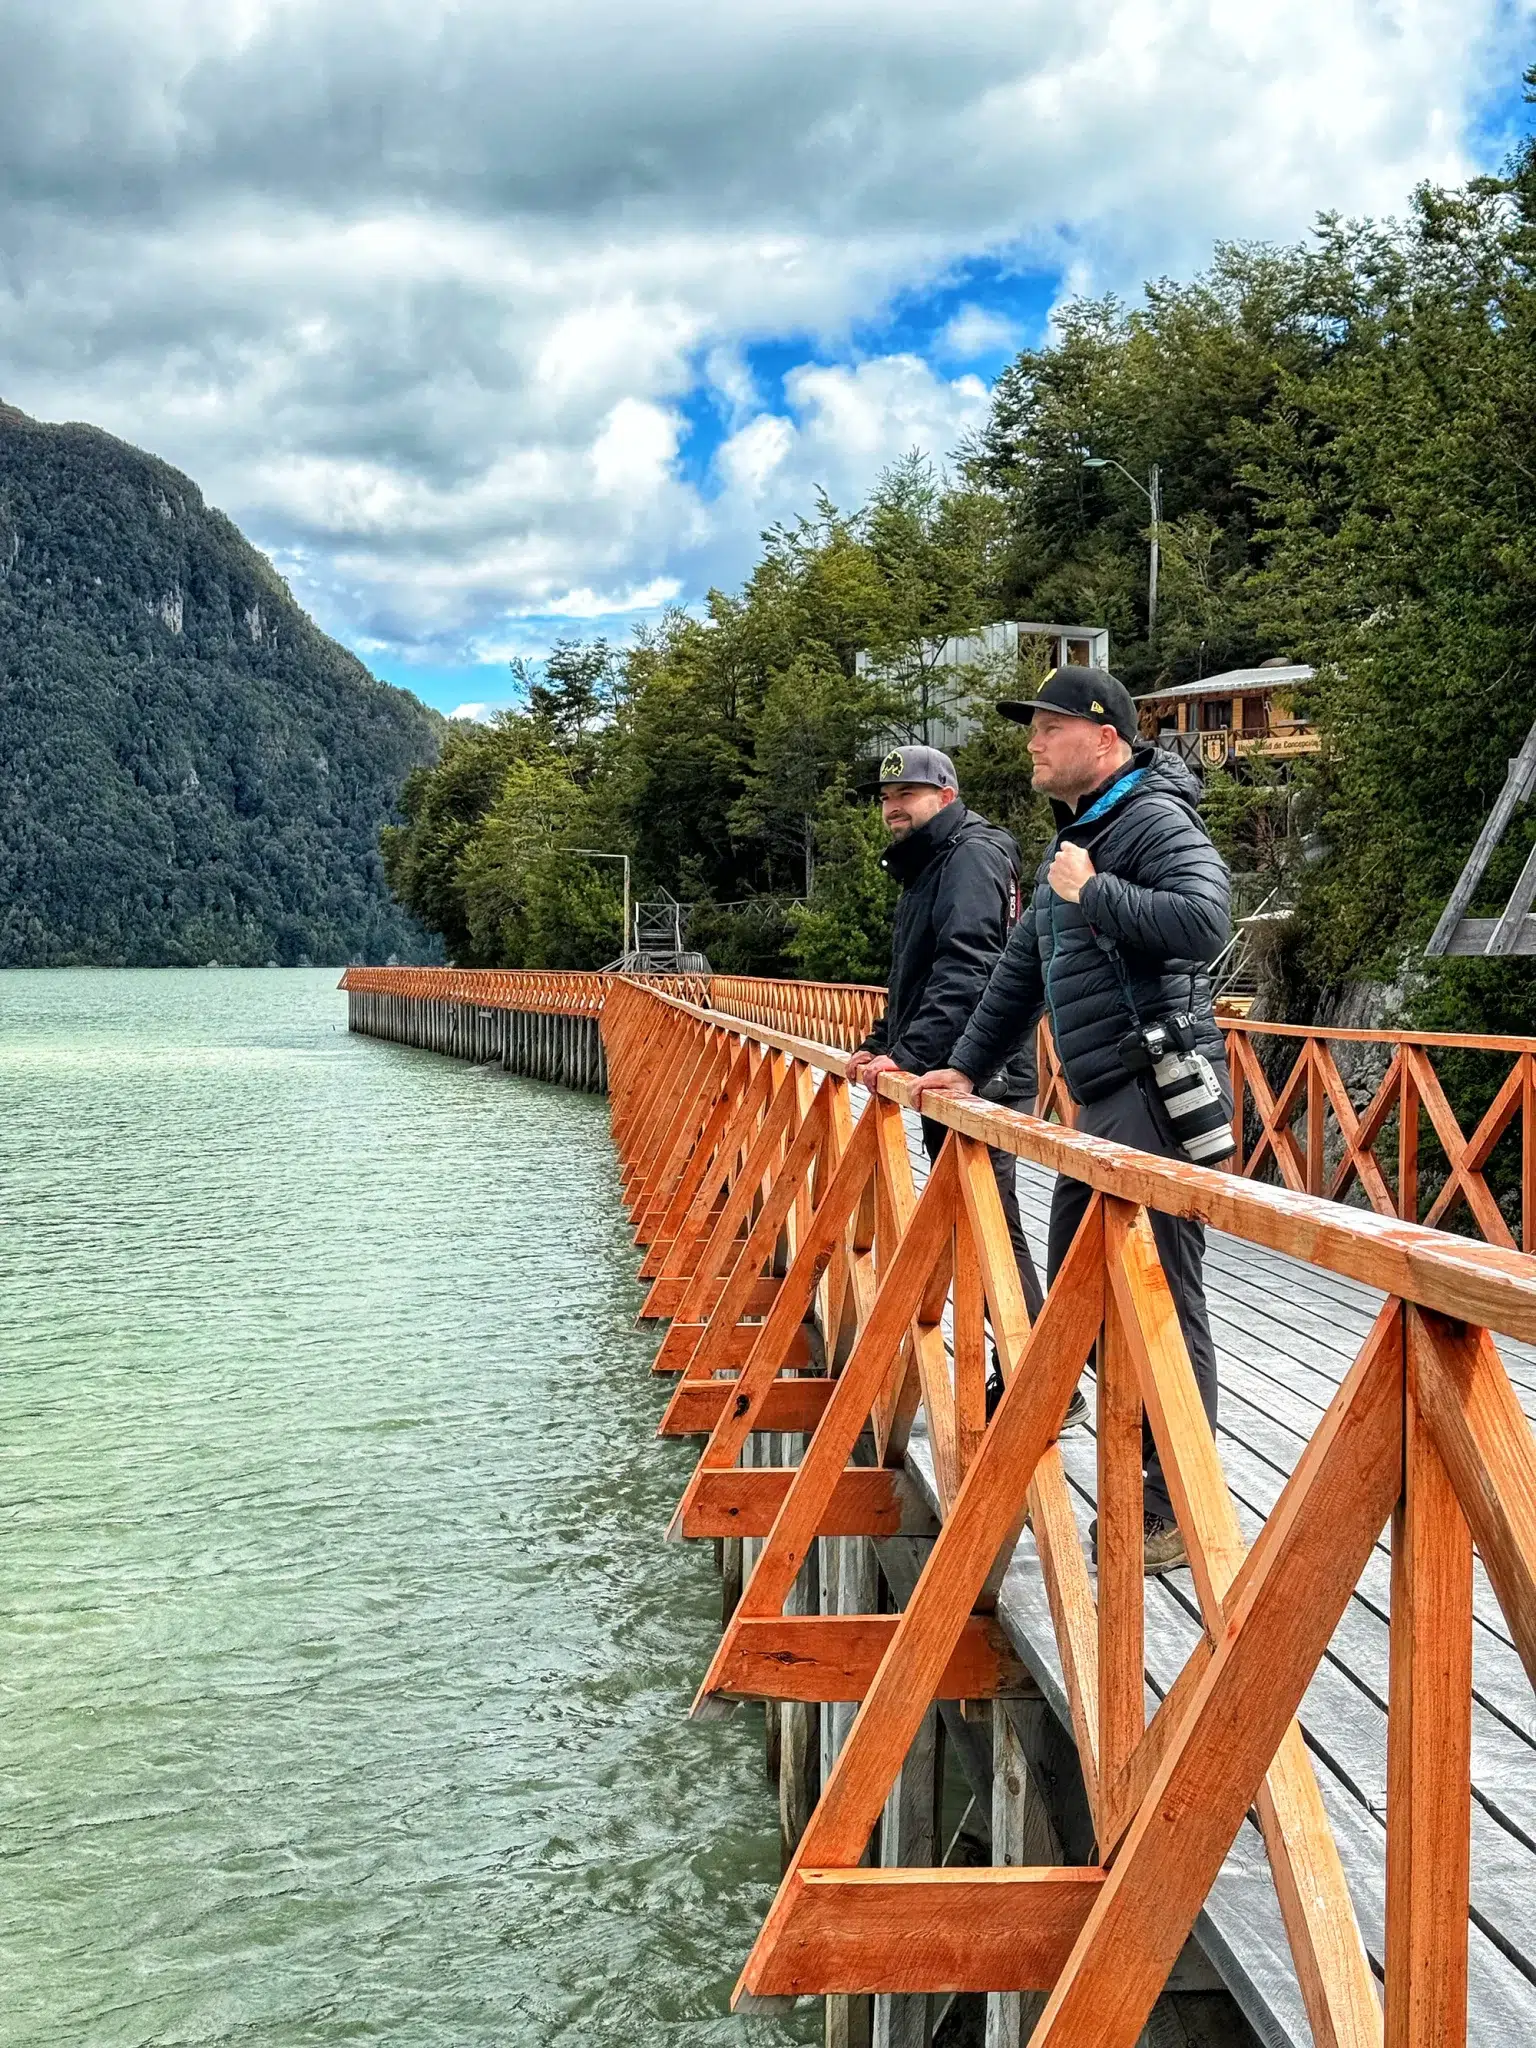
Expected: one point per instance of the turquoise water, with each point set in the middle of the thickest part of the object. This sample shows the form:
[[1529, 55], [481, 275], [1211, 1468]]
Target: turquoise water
[[344, 1670]]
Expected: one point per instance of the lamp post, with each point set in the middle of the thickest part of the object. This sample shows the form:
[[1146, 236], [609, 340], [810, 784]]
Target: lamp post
[[1152, 491], [591, 853]]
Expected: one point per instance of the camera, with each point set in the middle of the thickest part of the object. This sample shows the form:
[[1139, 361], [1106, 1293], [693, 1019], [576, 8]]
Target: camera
[[1186, 1084]]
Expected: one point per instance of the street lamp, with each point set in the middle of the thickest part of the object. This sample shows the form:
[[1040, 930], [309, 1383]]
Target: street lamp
[[591, 853], [1152, 491]]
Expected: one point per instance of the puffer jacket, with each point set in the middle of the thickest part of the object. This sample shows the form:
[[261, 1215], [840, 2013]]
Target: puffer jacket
[[1160, 894], [959, 878]]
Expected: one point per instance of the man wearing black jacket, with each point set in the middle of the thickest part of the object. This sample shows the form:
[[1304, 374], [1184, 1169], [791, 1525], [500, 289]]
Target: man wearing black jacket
[[1130, 905], [959, 880]]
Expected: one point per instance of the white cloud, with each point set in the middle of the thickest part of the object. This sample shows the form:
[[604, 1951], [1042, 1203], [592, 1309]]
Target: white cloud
[[974, 331], [477, 714], [448, 304], [862, 416], [755, 453]]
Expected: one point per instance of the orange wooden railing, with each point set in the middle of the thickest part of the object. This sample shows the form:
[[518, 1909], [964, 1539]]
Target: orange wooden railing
[[1339, 1144], [833, 1012], [553, 992], [1312, 1136], [1298, 1125], [763, 1196]]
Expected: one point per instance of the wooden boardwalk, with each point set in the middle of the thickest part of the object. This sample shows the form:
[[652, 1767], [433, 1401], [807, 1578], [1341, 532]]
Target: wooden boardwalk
[[765, 1191], [1286, 1333]]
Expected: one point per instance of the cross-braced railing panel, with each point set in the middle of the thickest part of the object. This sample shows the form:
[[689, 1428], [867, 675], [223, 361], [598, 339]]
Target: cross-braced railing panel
[[809, 1286], [538, 991], [837, 1013], [1311, 1133]]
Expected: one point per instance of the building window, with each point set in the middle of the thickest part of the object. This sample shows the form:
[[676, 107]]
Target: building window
[[1215, 714]]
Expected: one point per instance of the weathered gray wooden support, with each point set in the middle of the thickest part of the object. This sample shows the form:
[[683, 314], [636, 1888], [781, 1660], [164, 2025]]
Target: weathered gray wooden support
[[909, 1839], [799, 1720], [730, 1578], [1021, 1834], [1514, 931], [849, 1585], [567, 1050]]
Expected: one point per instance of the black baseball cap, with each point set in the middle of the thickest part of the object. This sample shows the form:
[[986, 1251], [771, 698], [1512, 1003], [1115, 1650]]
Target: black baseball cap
[[1091, 693]]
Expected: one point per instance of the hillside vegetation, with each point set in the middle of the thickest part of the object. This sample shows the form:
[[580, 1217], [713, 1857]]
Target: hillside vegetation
[[189, 769], [1346, 431]]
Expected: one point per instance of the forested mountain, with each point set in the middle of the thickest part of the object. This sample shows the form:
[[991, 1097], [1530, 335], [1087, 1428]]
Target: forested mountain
[[189, 769]]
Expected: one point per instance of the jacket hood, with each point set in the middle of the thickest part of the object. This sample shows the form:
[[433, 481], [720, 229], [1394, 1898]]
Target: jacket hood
[[1162, 772], [1170, 773]]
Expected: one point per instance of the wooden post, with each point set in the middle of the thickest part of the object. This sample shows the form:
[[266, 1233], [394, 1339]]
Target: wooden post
[[848, 1586], [1314, 1121], [730, 1577], [1408, 1145], [1121, 1615], [1429, 1749], [799, 1720]]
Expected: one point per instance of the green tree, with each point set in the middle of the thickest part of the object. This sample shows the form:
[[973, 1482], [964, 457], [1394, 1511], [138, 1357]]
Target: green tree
[[444, 809], [1398, 485], [843, 933]]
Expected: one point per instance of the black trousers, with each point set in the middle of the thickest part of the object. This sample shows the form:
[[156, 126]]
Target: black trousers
[[1133, 1116], [1005, 1167]]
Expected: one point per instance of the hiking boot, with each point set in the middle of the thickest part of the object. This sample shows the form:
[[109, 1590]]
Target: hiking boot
[[1162, 1545]]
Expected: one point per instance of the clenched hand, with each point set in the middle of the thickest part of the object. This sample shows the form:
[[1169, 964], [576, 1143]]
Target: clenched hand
[[1070, 872]]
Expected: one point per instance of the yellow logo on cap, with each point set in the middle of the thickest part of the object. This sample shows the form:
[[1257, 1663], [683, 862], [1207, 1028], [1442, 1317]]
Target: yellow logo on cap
[[891, 768], [1098, 707]]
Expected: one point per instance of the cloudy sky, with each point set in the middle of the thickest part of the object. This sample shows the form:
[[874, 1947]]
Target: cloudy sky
[[491, 319]]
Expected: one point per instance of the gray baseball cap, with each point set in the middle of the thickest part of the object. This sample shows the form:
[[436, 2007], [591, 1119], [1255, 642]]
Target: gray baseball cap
[[919, 764]]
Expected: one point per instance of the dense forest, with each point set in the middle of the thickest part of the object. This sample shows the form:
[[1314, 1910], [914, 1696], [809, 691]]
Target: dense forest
[[189, 770], [1346, 432]]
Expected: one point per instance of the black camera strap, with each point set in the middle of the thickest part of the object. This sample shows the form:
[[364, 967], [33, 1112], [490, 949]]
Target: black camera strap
[[1116, 960]]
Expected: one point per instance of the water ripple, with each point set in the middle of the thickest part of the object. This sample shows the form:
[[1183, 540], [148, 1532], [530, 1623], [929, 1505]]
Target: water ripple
[[342, 1671]]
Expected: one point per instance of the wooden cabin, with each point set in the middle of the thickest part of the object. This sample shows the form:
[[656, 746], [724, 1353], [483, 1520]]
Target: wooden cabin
[[1216, 722]]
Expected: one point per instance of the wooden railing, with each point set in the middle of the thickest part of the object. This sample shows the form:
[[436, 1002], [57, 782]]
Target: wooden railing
[[761, 1198], [552, 992], [836, 1013], [1299, 1124], [1340, 1144]]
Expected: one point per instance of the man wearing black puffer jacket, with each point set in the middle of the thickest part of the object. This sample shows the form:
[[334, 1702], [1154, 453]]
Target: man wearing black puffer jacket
[[1130, 905], [959, 884]]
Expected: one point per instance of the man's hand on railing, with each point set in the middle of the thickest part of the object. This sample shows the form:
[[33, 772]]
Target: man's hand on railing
[[862, 1066], [944, 1081]]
